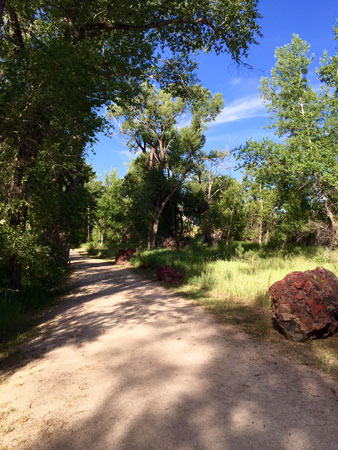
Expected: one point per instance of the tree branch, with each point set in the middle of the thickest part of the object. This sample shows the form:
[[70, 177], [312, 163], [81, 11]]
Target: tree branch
[[14, 23], [96, 29]]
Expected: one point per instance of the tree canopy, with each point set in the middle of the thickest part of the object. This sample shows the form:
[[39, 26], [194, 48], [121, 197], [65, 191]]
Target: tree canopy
[[302, 164], [60, 62]]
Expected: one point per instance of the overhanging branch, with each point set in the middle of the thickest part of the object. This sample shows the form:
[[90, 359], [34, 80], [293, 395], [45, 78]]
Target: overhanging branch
[[96, 29]]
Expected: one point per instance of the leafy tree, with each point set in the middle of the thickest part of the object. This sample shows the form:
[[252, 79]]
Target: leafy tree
[[303, 166], [170, 153], [227, 213], [110, 210], [94, 188], [60, 62], [211, 183], [261, 204]]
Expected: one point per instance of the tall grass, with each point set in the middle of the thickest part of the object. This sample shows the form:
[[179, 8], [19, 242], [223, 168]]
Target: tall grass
[[242, 272], [249, 279], [233, 282]]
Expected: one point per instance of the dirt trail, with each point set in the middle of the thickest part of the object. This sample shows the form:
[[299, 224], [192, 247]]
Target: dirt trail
[[125, 364]]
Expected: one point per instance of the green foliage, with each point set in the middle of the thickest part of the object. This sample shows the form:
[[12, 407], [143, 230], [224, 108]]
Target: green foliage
[[110, 209], [227, 212], [302, 167], [11, 310], [60, 63], [169, 154]]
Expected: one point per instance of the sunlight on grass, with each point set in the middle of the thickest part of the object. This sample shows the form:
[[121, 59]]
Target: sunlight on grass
[[249, 280], [233, 283], [245, 279]]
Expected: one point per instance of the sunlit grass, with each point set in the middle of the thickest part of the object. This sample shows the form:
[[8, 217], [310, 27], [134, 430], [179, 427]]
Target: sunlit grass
[[233, 283], [245, 277], [249, 280]]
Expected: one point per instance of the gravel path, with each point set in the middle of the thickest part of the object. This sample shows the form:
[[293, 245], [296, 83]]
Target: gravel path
[[124, 364]]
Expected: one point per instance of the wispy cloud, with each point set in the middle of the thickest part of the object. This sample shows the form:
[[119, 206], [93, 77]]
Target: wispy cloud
[[243, 108], [235, 81], [129, 154]]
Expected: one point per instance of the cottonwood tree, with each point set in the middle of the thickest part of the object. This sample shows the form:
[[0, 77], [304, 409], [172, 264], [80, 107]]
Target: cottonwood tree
[[171, 152], [208, 174], [303, 164], [228, 212], [60, 62]]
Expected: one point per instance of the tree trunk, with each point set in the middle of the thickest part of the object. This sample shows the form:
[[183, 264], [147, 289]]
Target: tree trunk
[[177, 241], [88, 225], [229, 228], [152, 234], [331, 218], [260, 225], [2, 8], [206, 228], [181, 224], [14, 273]]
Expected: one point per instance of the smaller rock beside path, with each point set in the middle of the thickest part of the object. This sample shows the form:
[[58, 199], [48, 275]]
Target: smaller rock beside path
[[168, 274]]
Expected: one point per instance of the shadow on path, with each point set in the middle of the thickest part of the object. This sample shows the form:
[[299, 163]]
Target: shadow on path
[[168, 377]]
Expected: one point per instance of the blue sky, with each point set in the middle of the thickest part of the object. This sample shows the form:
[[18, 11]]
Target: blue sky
[[243, 116]]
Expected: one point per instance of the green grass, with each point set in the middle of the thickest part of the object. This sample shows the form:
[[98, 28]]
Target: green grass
[[233, 283], [104, 251]]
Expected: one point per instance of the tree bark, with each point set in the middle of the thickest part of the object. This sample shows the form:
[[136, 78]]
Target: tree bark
[[260, 225], [2, 10], [14, 273], [229, 228], [152, 234], [331, 218], [88, 225]]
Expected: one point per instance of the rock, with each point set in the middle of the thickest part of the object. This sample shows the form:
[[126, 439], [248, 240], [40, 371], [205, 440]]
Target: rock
[[168, 274], [124, 255], [305, 304]]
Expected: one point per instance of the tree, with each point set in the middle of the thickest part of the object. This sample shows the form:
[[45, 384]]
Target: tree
[[170, 153], [227, 212], [261, 203], [110, 210], [208, 175], [60, 62], [94, 188], [303, 165]]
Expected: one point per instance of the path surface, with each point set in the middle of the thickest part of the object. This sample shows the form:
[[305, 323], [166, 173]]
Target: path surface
[[123, 364]]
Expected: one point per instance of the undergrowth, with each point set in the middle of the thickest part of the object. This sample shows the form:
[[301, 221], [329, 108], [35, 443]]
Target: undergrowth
[[20, 312]]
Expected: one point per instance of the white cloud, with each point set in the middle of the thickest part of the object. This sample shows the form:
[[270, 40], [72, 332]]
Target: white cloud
[[129, 154], [126, 153], [243, 108], [235, 81]]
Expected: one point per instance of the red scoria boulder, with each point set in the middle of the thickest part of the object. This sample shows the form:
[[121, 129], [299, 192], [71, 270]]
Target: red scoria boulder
[[168, 274], [305, 304], [124, 255]]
